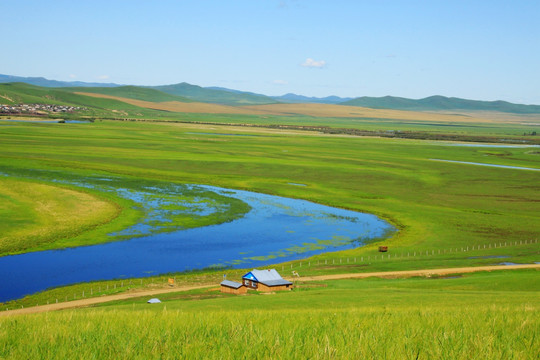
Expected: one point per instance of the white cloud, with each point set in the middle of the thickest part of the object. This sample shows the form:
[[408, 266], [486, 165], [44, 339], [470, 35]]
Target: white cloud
[[280, 82], [103, 77], [72, 76], [314, 63]]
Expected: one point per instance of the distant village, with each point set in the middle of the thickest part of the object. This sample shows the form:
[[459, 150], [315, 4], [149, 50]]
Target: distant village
[[38, 109]]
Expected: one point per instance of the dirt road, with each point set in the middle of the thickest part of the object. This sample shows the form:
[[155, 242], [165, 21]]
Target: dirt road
[[149, 293]]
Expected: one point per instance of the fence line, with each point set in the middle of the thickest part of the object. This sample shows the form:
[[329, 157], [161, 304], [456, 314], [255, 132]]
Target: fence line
[[413, 254]]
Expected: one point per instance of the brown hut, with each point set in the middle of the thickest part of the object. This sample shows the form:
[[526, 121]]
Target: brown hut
[[232, 287]]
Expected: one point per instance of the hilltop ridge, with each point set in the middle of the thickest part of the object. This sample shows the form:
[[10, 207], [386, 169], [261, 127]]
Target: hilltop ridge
[[185, 92]]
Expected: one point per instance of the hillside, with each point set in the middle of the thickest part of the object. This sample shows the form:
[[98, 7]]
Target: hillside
[[214, 95], [131, 92], [440, 103], [182, 92], [94, 106], [295, 98]]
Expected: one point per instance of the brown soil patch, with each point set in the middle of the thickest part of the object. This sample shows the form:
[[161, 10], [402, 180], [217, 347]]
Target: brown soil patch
[[177, 106], [339, 111], [325, 110]]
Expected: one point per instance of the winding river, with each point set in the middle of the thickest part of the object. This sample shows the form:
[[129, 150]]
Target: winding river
[[276, 229]]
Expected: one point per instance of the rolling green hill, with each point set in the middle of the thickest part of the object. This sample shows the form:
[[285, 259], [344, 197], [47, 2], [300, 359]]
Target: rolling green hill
[[131, 92], [214, 96], [438, 103], [18, 93]]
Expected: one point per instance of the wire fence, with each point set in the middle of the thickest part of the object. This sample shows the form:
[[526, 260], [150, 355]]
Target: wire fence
[[400, 255]]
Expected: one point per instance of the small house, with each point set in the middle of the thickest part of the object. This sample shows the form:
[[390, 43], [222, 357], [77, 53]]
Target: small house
[[265, 281], [232, 287]]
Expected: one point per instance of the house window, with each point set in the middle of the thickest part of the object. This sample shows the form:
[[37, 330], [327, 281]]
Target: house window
[[246, 282], [253, 284]]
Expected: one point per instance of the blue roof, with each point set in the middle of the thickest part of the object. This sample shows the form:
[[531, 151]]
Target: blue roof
[[268, 277]]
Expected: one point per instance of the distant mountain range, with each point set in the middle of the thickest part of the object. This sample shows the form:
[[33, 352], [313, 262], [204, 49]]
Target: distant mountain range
[[441, 103], [40, 81], [294, 98], [185, 92]]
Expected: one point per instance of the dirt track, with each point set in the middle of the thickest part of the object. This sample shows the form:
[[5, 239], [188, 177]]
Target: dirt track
[[138, 294]]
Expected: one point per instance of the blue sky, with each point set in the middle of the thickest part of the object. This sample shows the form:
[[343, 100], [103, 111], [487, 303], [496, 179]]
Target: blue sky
[[484, 50]]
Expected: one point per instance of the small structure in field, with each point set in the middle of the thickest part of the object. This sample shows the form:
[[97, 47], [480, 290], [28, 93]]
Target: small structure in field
[[232, 287], [266, 281], [383, 248], [154, 301]]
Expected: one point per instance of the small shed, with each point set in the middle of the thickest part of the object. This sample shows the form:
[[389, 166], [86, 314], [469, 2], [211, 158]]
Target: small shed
[[266, 281], [232, 287]]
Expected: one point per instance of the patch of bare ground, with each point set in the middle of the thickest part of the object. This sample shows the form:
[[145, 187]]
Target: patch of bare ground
[[177, 106], [327, 110]]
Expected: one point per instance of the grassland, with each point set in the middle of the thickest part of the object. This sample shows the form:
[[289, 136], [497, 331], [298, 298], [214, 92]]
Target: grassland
[[34, 214], [480, 316], [436, 205]]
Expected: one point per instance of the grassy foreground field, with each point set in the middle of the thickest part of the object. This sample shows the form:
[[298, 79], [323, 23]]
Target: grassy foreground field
[[478, 316]]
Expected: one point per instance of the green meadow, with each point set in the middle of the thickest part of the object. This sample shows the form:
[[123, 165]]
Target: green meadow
[[448, 215], [477, 316], [435, 204]]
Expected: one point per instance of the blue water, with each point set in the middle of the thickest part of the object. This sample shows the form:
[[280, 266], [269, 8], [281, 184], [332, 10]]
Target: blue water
[[510, 146], [48, 121], [222, 134], [276, 229], [489, 165]]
